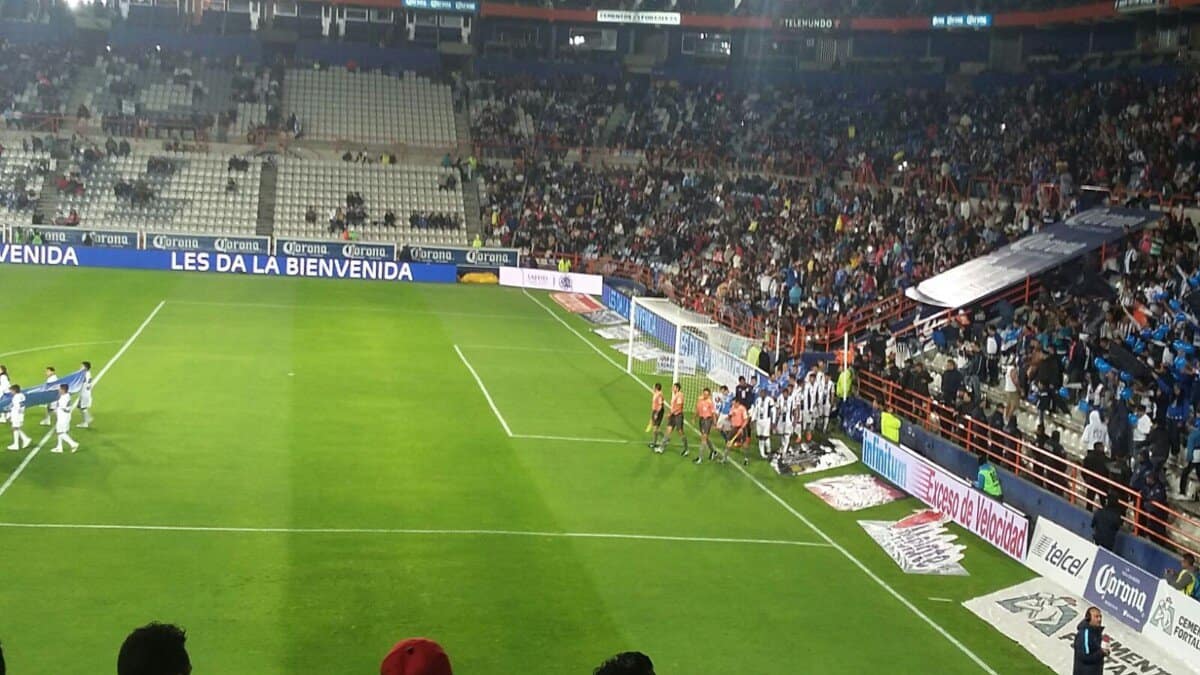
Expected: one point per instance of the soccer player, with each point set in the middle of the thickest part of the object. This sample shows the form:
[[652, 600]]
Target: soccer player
[[16, 415], [744, 392], [764, 421], [740, 423], [724, 403], [62, 409], [827, 402], [656, 416], [675, 421], [706, 412], [51, 378], [85, 395], [5, 385], [783, 404], [808, 406]]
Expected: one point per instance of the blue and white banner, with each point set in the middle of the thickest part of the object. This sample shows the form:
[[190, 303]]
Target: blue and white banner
[[314, 248], [462, 256], [228, 263], [44, 392], [74, 236], [1052, 247], [163, 241]]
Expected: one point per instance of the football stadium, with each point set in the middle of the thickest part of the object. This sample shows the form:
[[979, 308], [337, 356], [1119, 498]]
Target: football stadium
[[605, 337]]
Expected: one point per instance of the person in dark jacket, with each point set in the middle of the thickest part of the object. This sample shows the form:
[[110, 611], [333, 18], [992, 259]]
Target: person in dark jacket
[[1096, 463], [1089, 644], [952, 382], [1106, 522]]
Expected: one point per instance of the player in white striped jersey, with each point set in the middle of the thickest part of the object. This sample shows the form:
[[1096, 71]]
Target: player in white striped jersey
[[16, 415], [784, 426], [808, 406], [51, 378], [795, 411], [764, 414], [62, 425], [85, 395], [828, 399], [5, 384]]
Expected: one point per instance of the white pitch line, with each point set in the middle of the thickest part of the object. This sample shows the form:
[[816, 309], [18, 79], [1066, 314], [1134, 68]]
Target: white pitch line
[[486, 395], [62, 346], [576, 439], [95, 381], [941, 599], [415, 532], [799, 516], [344, 308]]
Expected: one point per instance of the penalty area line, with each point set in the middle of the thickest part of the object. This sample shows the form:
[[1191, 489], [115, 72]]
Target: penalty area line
[[414, 532], [482, 388], [95, 381], [62, 346], [966, 651]]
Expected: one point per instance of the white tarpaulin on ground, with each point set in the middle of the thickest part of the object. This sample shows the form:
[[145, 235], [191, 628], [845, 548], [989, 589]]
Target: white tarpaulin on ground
[[920, 543], [613, 333], [1042, 617], [853, 492]]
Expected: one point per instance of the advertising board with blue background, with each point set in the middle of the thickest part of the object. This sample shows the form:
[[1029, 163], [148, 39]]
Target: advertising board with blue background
[[170, 241], [357, 250], [227, 263]]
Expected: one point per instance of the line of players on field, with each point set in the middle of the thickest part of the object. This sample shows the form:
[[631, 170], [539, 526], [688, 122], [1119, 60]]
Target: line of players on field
[[58, 411], [778, 408]]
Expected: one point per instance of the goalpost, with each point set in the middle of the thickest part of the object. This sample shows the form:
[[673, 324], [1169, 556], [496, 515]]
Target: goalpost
[[669, 344]]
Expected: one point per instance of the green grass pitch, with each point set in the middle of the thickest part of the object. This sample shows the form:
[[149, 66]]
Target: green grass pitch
[[328, 477]]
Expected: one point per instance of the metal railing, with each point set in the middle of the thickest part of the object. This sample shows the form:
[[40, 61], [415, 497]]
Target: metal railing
[[1057, 474]]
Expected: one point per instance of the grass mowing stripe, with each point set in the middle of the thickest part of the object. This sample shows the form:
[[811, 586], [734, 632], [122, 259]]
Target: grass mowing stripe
[[482, 388], [412, 531], [104, 371], [819, 532]]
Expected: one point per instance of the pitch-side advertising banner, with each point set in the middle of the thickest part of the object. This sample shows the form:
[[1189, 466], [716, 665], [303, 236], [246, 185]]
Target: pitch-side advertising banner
[[226, 263], [357, 250], [1043, 618], [169, 241], [1000, 525], [549, 280], [74, 236], [1061, 556]]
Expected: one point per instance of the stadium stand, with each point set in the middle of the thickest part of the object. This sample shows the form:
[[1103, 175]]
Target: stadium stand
[[414, 195], [184, 192], [22, 175], [338, 104]]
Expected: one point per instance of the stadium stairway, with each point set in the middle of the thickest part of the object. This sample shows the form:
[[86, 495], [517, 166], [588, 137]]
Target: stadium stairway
[[266, 200], [471, 206], [49, 198], [462, 133]]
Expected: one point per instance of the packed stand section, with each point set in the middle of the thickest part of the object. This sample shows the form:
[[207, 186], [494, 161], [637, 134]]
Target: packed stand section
[[114, 186], [1121, 132], [566, 111], [1102, 366], [745, 244], [369, 198]]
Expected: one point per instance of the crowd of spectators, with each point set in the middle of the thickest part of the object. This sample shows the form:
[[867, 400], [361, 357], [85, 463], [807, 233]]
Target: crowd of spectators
[[1112, 343], [750, 243], [34, 83], [1120, 132]]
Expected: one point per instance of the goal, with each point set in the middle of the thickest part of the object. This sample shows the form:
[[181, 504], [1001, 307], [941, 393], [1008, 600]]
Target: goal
[[669, 344]]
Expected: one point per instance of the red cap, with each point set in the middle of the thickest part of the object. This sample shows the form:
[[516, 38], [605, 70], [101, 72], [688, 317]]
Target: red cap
[[416, 656]]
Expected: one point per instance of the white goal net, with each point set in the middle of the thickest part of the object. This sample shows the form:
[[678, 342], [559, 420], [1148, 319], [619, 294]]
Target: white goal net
[[668, 344]]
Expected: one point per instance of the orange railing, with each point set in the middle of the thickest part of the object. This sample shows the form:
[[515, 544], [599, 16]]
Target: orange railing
[[1069, 479]]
